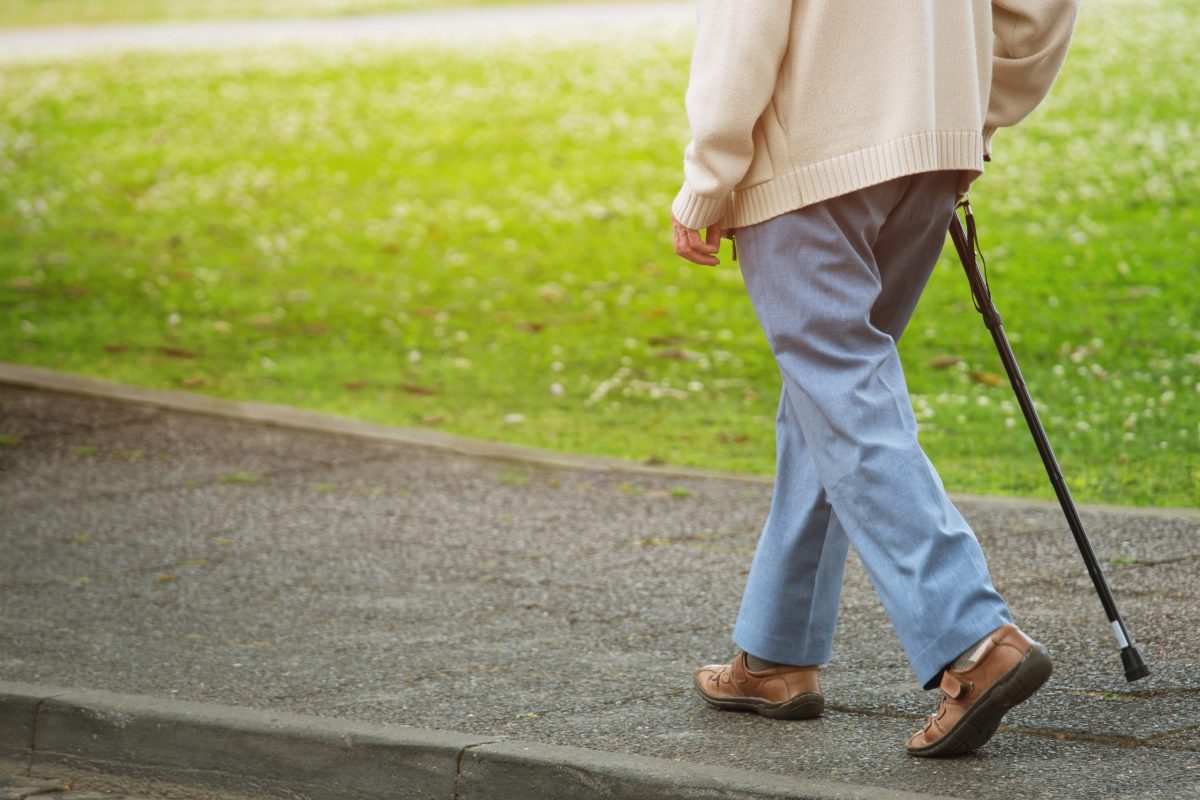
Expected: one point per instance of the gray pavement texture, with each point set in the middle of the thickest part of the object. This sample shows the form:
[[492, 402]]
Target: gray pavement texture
[[15, 785], [476, 27], [156, 552]]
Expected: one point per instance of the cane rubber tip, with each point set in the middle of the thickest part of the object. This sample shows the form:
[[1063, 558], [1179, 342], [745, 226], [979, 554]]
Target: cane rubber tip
[[1135, 667]]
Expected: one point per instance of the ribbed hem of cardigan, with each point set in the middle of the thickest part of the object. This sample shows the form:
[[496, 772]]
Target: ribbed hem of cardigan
[[923, 152], [697, 211]]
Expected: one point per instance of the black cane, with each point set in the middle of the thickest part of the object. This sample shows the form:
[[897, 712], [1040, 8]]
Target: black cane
[[966, 243]]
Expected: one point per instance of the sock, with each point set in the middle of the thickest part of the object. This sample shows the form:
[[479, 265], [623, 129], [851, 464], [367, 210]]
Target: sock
[[970, 655], [756, 664]]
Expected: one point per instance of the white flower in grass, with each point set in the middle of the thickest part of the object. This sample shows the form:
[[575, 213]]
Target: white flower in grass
[[514, 419], [414, 356]]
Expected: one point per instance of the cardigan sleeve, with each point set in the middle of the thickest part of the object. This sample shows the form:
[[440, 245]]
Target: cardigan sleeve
[[740, 45], [1029, 46]]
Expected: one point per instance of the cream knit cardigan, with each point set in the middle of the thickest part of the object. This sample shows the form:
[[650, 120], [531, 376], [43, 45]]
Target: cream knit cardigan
[[795, 101]]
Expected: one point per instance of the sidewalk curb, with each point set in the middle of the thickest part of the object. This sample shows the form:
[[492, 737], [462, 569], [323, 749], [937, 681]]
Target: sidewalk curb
[[285, 416], [298, 419], [222, 748]]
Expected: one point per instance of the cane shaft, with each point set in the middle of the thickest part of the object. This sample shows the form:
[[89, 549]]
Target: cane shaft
[[983, 302]]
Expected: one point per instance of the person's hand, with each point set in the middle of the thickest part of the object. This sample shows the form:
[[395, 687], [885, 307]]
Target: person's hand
[[690, 245]]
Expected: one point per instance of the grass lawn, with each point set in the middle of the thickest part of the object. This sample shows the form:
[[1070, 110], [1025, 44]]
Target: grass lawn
[[478, 242], [15, 13]]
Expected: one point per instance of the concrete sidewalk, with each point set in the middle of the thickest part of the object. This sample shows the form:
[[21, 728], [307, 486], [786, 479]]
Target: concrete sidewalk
[[330, 570], [476, 27]]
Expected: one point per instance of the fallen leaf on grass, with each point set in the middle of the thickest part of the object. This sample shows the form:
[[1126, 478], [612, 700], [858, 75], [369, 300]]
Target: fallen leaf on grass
[[177, 352], [355, 385], [732, 438], [413, 388], [116, 347], [433, 419], [531, 327], [676, 353], [944, 362], [987, 378], [193, 383]]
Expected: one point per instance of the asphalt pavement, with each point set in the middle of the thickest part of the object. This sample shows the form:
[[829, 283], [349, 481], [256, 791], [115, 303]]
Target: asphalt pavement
[[264, 559]]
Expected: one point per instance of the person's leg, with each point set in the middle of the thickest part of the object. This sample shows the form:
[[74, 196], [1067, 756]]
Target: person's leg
[[789, 608], [790, 604], [817, 287]]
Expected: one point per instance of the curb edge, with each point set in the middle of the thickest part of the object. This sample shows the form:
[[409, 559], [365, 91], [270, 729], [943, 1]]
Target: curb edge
[[42, 379], [282, 754]]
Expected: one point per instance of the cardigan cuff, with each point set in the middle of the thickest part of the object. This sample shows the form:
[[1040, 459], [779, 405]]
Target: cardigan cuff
[[697, 211], [988, 132]]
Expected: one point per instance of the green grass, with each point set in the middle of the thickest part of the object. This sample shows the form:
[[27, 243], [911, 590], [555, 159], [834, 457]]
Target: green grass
[[479, 242], [18, 13]]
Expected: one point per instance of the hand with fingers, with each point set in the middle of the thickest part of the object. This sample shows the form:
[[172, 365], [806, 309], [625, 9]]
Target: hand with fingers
[[691, 245]]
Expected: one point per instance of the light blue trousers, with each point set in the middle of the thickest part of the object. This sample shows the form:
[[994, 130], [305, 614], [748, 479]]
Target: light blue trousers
[[834, 285]]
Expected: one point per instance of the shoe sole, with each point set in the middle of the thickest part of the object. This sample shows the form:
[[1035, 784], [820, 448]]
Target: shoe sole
[[804, 706], [983, 718]]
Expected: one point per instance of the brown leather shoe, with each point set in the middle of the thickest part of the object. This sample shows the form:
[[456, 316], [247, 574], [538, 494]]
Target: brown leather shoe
[[783, 692], [1011, 668]]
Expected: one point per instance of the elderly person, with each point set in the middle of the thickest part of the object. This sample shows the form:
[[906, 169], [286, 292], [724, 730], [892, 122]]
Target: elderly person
[[833, 137]]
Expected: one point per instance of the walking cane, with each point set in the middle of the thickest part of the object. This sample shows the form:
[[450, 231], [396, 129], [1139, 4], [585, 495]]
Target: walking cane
[[966, 243]]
